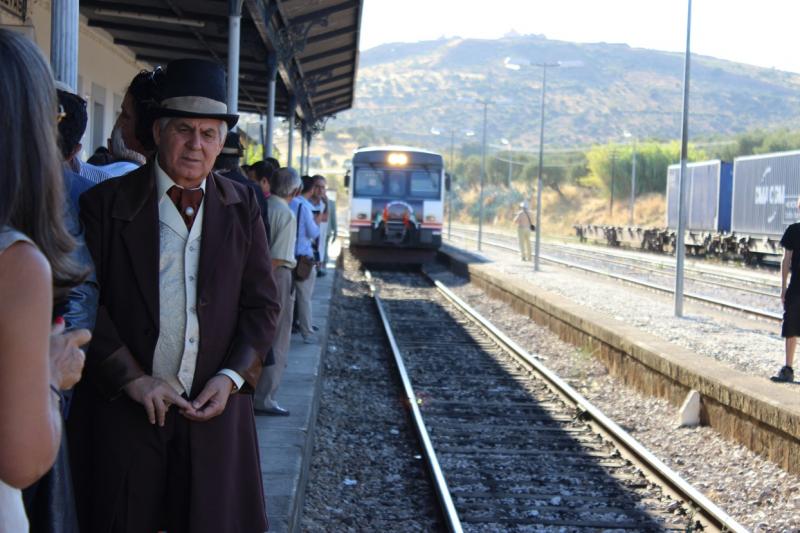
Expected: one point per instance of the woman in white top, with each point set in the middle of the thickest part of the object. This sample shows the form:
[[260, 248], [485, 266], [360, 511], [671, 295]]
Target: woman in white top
[[37, 360]]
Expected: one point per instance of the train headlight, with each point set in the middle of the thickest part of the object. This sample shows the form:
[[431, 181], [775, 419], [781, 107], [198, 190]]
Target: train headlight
[[361, 216], [397, 159], [430, 218]]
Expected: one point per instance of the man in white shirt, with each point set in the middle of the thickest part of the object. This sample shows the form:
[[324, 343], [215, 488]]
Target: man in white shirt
[[283, 236]]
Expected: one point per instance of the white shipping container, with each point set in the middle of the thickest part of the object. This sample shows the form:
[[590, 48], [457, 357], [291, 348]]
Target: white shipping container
[[703, 189], [765, 192]]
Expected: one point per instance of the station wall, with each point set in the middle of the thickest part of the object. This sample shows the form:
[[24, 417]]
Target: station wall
[[104, 70]]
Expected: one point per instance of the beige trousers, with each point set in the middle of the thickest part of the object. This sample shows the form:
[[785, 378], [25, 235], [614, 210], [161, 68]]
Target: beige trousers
[[524, 235], [271, 376], [303, 291]]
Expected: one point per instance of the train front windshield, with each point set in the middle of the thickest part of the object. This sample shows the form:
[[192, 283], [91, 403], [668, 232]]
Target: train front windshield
[[374, 183]]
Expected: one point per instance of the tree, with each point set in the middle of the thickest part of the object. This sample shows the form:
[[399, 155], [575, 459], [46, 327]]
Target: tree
[[652, 160]]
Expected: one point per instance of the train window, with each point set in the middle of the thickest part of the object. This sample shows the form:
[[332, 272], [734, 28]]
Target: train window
[[397, 184], [425, 184], [368, 182]]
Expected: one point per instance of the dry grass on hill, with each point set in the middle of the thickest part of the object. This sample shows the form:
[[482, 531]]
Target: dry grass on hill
[[579, 205]]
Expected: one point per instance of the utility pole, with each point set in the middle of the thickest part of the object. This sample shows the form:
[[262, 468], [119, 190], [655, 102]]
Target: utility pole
[[450, 191], [633, 183], [613, 178], [510, 163], [483, 174], [537, 242], [680, 252]]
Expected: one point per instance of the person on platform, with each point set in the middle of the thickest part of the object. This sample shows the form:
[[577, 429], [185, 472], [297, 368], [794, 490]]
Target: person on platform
[[121, 159], [283, 228], [307, 233], [135, 119], [187, 316], [72, 120], [790, 298], [524, 228], [330, 198], [260, 173], [319, 206], [37, 359], [227, 164]]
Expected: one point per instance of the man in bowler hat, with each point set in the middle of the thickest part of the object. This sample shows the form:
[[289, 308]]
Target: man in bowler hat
[[186, 320]]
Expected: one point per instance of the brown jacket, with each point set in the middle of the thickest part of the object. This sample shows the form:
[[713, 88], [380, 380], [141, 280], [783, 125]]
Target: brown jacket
[[237, 308]]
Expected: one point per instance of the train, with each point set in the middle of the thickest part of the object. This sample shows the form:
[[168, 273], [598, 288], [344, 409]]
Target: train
[[733, 210], [396, 198]]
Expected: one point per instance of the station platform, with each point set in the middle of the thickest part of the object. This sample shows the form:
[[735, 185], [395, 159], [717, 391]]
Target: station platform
[[286, 442], [742, 407]]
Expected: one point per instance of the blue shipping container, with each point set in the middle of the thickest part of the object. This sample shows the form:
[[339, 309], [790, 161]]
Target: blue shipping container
[[708, 196]]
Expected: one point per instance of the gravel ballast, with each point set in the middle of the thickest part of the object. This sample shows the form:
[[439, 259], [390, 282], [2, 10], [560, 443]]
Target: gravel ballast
[[757, 493], [366, 473], [751, 346]]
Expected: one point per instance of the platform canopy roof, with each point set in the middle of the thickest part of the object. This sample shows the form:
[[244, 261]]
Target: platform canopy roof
[[315, 43]]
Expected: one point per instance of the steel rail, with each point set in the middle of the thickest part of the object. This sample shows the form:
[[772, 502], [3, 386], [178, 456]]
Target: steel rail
[[629, 446], [761, 313], [654, 259], [617, 260], [439, 481], [654, 265]]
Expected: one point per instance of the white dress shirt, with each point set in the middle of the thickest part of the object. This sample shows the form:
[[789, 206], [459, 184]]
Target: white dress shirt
[[175, 357]]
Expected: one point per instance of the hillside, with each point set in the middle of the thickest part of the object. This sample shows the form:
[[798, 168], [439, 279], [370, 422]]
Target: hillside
[[405, 89]]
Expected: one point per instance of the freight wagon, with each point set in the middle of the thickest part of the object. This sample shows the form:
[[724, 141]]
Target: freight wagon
[[765, 192], [739, 210]]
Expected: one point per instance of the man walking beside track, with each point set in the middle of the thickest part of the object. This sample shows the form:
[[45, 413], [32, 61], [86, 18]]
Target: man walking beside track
[[790, 297], [524, 229], [187, 315]]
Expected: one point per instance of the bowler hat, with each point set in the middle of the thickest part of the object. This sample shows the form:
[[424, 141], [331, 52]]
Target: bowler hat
[[233, 147], [195, 88]]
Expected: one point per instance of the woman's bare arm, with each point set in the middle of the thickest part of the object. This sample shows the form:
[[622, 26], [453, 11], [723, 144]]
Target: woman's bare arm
[[30, 421]]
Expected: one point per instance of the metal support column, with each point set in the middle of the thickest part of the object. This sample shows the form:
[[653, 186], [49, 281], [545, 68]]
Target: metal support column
[[272, 73], [309, 137], [261, 138], [303, 149], [234, 44], [680, 252], [289, 150], [64, 20]]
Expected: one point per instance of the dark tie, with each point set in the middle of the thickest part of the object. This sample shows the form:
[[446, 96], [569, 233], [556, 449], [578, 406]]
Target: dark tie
[[187, 201]]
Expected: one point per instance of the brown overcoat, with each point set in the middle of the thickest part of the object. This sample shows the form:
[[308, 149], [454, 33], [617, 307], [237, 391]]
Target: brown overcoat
[[237, 308]]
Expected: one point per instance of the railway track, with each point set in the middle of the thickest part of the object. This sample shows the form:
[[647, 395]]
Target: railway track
[[744, 281], [744, 309], [509, 444]]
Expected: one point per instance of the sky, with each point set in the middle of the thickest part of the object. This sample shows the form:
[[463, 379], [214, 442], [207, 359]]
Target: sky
[[757, 32]]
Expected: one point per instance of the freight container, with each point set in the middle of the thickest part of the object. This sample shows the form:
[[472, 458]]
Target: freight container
[[765, 192], [708, 196]]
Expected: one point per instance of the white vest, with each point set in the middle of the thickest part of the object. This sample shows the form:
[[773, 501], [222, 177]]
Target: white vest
[[175, 357]]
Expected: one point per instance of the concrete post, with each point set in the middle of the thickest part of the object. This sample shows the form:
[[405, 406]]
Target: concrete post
[[272, 73], [234, 43], [64, 20]]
